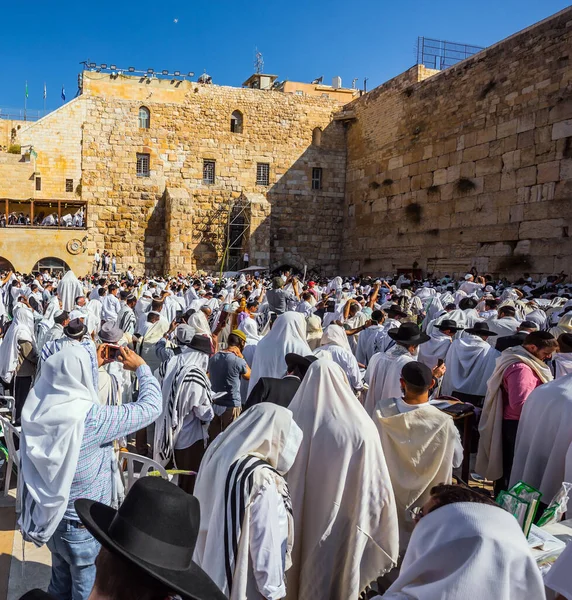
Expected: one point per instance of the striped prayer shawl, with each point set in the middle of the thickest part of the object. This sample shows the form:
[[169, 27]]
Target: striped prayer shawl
[[238, 489], [176, 406], [126, 320]]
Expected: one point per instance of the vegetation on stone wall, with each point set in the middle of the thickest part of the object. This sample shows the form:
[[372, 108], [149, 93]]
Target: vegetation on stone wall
[[14, 149], [414, 212]]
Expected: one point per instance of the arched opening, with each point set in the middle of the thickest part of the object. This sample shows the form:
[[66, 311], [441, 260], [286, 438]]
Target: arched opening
[[236, 122], [52, 264], [317, 137], [5, 265], [144, 118]]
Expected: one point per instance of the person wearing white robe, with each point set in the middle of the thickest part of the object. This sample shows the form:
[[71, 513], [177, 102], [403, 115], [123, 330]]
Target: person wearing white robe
[[470, 362], [467, 550], [314, 331], [543, 438], [564, 325], [421, 443], [345, 516], [61, 319], [437, 347], [505, 324], [370, 339], [69, 288], [335, 341], [384, 370], [288, 334], [247, 550], [248, 327]]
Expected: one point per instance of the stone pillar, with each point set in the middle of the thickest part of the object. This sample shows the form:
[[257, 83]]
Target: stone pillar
[[259, 244], [178, 231]]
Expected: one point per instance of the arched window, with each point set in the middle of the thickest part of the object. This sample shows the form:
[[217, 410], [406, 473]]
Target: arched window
[[317, 137], [144, 118], [52, 264], [236, 122]]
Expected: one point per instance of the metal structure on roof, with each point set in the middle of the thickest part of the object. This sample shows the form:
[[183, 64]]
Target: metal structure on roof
[[440, 54]]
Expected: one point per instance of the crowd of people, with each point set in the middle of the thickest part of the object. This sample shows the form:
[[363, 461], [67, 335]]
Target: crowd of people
[[306, 422], [43, 220]]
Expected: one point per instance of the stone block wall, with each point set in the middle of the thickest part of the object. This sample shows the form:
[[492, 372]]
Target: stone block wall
[[472, 166], [190, 123]]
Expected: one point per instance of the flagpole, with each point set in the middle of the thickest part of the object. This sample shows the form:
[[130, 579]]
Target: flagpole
[[25, 100], [44, 98]]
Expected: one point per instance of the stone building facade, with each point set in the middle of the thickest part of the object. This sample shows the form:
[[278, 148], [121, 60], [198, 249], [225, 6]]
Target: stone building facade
[[432, 171]]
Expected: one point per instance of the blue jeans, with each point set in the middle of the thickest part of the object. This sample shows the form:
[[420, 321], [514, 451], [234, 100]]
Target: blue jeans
[[74, 551]]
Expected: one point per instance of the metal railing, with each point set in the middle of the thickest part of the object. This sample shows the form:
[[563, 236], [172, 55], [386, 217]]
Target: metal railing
[[19, 114], [440, 54]]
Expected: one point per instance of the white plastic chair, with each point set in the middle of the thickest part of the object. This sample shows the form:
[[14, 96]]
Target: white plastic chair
[[10, 435], [10, 408], [148, 465]]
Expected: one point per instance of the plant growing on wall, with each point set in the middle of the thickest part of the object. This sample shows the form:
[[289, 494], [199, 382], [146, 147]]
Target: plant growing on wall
[[414, 212], [14, 149], [465, 185]]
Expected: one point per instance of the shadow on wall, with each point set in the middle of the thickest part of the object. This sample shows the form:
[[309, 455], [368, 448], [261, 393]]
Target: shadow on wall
[[307, 204], [152, 247]]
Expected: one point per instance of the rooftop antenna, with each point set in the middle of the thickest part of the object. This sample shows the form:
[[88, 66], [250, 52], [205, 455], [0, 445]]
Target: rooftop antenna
[[354, 81], [258, 61]]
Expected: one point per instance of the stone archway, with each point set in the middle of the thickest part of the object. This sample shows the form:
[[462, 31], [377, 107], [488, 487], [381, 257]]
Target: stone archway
[[5, 265], [51, 263]]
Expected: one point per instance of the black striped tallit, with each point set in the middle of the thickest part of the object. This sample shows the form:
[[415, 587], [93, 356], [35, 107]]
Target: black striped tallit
[[237, 491], [185, 377]]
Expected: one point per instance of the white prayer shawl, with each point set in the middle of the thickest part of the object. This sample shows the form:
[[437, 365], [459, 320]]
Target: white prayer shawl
[[434, 307], [434, 349], [467, 550], [69, 288], [418, 446], [313, 331], [383, 375], [143, 306], [146, 345], [359, 319], [268, 432], [564, 325], [186, 391], [55, 333], [199, 322], [543, 438], [470, 362], [562, 362], [489, 455], [369, 340], [288, 334], [170, 308], [126, 320], [47, 322], [538, 316], [95, 307], [502, 327], [250, 329], [334, 334], [344, 509], [558, 578], [53, 420], [21, 330]]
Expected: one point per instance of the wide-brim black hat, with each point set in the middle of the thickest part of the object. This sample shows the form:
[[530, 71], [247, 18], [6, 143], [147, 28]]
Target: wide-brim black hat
[[155, 529], [297, 360], [408, 334], [480, 328], [448, 325], [396, 310]]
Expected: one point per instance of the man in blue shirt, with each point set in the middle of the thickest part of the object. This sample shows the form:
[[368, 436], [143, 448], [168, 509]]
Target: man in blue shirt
[[226, 368]]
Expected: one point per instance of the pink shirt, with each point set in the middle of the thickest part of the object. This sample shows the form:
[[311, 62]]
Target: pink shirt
[[518, 381]]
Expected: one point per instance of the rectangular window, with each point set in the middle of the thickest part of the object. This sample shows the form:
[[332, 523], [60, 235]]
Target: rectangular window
[[143, 165], [69, 185], [317, 178], [325, 95], [209, 172], [38, 184], [262, 173], [299, 93]]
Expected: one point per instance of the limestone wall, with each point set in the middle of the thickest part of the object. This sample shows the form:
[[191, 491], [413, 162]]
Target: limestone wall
[[57, 140], [189, 123], [472, 166]]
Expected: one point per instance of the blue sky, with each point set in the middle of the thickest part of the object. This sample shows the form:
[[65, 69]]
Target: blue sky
[[300, 40]]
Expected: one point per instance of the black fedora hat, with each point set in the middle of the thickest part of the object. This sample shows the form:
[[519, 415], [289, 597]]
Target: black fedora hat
[[297, 360], [408, 334], [449, 324], [396, 310], [480, 328], [201, 343], [155, 529], [75, 329]]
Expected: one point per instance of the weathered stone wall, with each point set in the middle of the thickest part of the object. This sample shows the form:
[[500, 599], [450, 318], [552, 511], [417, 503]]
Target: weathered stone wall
[[9, 132], [189, 123], [472, 166]]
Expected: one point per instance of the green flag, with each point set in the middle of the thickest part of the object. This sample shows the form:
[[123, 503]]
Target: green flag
[[26, 89]]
